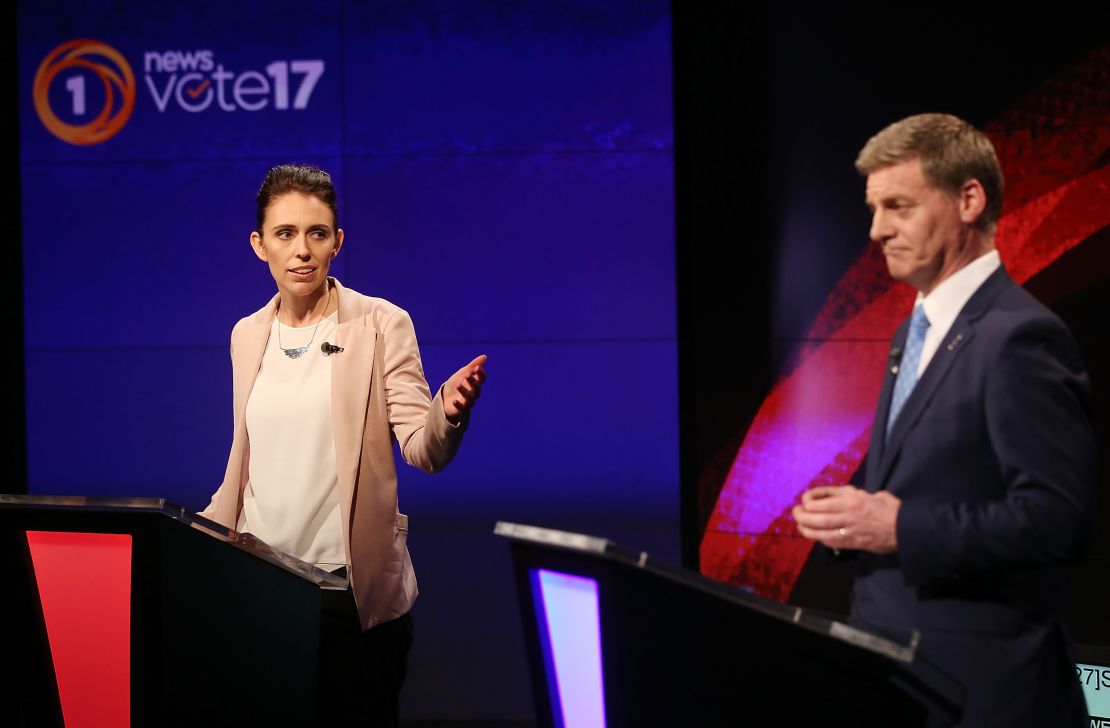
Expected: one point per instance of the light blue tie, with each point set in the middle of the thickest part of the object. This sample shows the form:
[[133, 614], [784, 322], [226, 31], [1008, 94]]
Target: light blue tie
[[907, 368]]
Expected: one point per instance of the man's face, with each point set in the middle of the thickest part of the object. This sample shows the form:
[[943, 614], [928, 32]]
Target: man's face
[[917, 226]]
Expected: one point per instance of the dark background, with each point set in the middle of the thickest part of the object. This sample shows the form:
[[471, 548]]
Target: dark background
[[770, 112]]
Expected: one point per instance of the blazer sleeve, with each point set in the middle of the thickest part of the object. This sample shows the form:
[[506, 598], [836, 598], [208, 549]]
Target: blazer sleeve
[[427, 439], [1038, 419]]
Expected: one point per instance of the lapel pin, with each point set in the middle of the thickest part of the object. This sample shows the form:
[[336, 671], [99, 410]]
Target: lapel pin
[[955, 342]]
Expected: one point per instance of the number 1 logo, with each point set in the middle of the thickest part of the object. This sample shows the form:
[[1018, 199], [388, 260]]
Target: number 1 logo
[[117, 80]]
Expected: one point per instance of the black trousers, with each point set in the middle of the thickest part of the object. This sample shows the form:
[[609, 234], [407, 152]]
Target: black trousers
[[361, 671]]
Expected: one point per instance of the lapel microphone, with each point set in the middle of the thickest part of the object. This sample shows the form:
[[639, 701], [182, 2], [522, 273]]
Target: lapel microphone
[[894, 358], [330, 349]]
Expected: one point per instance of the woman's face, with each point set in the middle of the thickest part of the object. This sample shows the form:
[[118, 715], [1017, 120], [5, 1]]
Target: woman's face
[[298, 241]]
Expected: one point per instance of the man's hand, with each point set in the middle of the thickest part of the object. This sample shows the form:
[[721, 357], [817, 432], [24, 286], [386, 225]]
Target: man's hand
[[463, 389], [845, 517]]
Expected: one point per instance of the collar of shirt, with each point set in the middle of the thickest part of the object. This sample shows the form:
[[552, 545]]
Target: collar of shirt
[[945, 302]]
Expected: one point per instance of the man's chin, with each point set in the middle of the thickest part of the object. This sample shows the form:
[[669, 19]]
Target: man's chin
[[897, 271]]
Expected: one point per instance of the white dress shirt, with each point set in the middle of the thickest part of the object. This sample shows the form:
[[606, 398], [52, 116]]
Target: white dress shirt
[[945, 302]]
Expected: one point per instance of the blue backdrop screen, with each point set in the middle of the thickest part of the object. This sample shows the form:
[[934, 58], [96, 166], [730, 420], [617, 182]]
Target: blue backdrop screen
[[505, 174]]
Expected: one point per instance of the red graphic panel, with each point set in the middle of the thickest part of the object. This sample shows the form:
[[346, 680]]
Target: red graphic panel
[[84, 582], [814, 426]]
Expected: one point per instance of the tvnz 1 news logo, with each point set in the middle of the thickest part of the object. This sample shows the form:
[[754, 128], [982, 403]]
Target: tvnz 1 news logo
[[78, 110]]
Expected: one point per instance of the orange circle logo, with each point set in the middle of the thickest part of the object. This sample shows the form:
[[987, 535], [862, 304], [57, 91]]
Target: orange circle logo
[[118, 80]]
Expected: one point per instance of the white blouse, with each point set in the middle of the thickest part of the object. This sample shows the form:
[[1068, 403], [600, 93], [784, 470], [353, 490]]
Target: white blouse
[[292, 499]]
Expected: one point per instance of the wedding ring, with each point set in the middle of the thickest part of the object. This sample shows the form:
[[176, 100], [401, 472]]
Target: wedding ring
[[843, 532]]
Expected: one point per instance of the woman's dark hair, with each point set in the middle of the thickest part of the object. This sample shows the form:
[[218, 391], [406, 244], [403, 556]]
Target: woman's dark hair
[[303, 178]]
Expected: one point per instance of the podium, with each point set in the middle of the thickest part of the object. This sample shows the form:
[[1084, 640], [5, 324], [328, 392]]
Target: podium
[[616, 638], [137, 612]]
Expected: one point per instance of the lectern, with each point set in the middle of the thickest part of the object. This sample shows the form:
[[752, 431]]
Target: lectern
[[616, 638], [137, 612]]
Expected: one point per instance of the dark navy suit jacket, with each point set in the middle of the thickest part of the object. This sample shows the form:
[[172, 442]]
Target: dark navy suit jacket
[[993, 457]]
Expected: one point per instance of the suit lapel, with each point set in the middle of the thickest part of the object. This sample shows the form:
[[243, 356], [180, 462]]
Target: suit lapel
[[248, 344], [351, 373], [956, 341], [878, 430], [249, 349]]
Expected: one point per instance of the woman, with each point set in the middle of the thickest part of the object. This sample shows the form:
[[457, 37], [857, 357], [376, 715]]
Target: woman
[[324, 379]]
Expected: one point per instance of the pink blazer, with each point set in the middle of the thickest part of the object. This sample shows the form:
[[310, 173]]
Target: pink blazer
[[378, 394]]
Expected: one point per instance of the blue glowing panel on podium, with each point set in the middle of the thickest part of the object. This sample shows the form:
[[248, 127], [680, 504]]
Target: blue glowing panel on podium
[[571, 643]]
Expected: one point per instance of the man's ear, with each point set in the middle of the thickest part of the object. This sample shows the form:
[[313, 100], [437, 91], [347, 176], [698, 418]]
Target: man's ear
[[972, 201]]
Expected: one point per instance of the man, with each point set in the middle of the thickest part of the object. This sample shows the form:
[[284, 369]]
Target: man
[[980, 479]]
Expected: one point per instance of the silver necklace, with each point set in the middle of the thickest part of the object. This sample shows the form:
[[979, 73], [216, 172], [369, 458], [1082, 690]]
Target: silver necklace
[[298, 352]]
